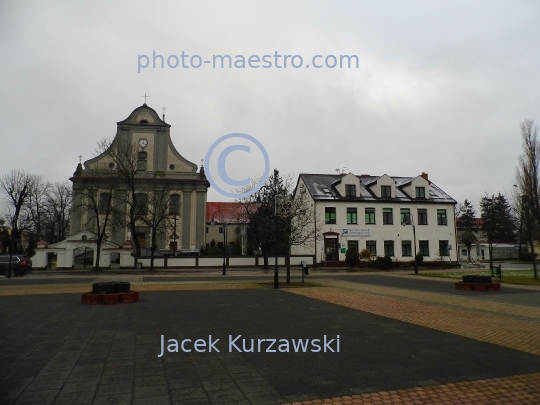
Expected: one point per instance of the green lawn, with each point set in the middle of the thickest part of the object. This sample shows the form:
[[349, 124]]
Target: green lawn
[[508, 276]]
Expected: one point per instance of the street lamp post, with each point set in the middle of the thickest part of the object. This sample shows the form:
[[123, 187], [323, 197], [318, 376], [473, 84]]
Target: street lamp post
[[224, 233], [276, 273], [411, 222]]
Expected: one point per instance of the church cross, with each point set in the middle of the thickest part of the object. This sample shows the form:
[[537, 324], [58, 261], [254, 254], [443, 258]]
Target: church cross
[[145, 96], [164, 113]]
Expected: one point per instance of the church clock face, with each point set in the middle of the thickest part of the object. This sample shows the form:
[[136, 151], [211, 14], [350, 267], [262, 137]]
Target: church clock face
[[143, 143]]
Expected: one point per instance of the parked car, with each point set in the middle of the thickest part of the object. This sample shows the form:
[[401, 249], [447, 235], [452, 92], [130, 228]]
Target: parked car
[[20, 265]]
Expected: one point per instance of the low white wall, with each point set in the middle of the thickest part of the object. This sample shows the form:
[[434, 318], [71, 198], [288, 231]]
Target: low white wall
[[296, 260], [242, 261], [181, 261], [210, 261]]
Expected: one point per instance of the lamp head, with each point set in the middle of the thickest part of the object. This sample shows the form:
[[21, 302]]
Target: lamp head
[[258, 202]]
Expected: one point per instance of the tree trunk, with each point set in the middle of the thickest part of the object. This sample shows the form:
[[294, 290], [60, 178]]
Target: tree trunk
[[490, 256], [288, 261], [265, 254], [98, 253], [468, 254]]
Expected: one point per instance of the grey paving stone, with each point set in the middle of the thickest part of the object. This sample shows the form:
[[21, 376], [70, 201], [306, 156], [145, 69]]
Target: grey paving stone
[[180, 394], [112, 389], [256, 386], [39, 385], [72, 398], [163, 400], [82, 377], [197, 401], [11, 389], [117, 378], [184, 382], [37, 396], [80, 386], [226, 395], [121, 399], [151, 391], [218, 385], [150, 380]]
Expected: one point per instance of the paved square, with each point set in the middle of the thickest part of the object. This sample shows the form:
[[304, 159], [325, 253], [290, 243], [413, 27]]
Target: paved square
[[393, 340]]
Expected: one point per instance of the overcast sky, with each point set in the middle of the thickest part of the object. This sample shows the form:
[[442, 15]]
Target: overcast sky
[[441, 86]]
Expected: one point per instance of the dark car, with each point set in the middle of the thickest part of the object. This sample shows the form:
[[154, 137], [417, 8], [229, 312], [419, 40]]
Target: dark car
[[19, 266]]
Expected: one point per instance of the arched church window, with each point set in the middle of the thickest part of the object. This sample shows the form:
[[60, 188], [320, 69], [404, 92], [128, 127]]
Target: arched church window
[[143, 122]]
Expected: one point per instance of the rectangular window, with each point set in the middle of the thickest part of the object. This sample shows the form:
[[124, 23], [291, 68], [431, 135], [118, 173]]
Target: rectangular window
[[174, 205], [371, 245], [206, 229], [142, 155], [350, 190], [352, 216], [141, 204], [441, 217], [406, 248], [104, 202], [443, 248], [220, 229], [464, 252], [405, 216], [370, 216], [141, 161], [422, 216], [387, 217], [330, 215], [352, 244], [424, 247], [386, 191], [420, 192], [389, 248]]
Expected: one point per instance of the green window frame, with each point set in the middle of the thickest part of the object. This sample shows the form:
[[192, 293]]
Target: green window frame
[[370, 216], [441, 217], [352, 216], [330, 215], [387, 216]]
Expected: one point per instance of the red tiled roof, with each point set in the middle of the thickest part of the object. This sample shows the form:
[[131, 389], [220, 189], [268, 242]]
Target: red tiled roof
[[232, 211]]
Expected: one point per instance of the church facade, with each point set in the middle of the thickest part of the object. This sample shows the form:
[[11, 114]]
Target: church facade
[[159, 167]]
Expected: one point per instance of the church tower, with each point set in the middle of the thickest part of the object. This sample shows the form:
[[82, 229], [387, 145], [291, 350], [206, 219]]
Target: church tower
[[159, 166]]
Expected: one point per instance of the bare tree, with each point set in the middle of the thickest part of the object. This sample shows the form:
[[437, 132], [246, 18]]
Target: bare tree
[[155, 214], [36, 208], [58, 205], [124, 157], [293, 212], [16, 186], [528, 182], [95, 196]]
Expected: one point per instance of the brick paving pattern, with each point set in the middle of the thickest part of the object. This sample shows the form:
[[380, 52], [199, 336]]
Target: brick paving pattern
[[517, 390], [504, 331]]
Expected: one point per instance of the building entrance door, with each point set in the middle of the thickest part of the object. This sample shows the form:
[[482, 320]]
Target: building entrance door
[[331, 249], [141, 236]]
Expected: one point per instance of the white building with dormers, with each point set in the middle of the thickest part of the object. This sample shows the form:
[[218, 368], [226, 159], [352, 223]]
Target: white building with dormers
[[367, 212]]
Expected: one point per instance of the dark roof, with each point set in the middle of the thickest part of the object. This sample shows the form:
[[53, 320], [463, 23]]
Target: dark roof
[[322, 187]]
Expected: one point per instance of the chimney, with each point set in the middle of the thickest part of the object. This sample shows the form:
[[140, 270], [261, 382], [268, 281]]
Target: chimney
[[425, 176]]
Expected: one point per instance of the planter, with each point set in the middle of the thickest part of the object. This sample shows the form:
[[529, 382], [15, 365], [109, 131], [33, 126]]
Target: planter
[[494, 286], [91, 298], [131, 296], [480, 287], [467, 286], [110, 298]]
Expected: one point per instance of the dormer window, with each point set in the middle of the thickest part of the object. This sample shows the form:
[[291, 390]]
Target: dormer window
[[420, 192], [350, 190], [386, 191]]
